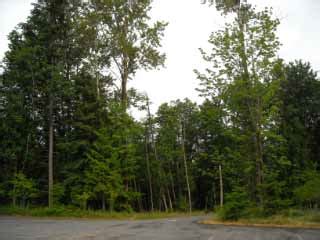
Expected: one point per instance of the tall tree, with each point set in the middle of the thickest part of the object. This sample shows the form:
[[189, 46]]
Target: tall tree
[[127, 38], [242, 60], [300, 118]]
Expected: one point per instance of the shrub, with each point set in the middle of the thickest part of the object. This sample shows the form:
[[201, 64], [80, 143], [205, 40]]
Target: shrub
[[22, 189], [309, 193], [236, 205], [58, 193]]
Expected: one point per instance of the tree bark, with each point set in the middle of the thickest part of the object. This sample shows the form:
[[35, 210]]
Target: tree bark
[[124, 99], [50, 157], [221, 185], [148, 172], [165, 202], [170, 201], [172, 186], [185, 165], [155, 151], [103, 202]]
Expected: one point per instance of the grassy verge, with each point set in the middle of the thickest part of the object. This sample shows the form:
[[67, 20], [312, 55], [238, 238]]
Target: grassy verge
[[69, 212], [289, 219]]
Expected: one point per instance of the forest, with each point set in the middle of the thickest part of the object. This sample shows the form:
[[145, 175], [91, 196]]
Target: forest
[[67, 137]]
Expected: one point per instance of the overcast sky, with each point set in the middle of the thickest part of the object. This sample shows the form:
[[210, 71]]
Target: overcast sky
[[190, 24]]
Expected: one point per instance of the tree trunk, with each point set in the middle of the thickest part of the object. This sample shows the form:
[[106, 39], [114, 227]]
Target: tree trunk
[[170, 201], [125, 71], [155, 150], [97, 86], [148, 172], [252, 107], [51, 16], [186, 166], [111, 202], [14, 199], [103, 202], [140, 203], [50, 157], [165, 202], [221, 185], [172, 186]]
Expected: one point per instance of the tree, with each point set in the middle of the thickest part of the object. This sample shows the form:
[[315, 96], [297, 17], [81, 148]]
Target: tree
[[299, 125], [126, 38], [22, 189], [103, 175], [175, 140], [300, 93], [225, 5], [243, 60]]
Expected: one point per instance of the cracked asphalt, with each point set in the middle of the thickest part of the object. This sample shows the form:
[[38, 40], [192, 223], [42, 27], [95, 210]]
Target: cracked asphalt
[[16, 228]]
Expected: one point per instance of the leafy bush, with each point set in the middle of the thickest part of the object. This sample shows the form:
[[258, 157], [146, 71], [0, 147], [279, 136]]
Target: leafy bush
[[254, 212], [309, 193], [58, 193], [81, 199], [292, 213], [22, 189], [236, 206], [182, 204]]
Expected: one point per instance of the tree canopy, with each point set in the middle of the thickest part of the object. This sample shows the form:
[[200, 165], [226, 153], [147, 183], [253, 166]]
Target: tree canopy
[[68, 139]]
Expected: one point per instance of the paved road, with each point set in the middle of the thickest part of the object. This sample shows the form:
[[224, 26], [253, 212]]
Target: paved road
[[12, 228]]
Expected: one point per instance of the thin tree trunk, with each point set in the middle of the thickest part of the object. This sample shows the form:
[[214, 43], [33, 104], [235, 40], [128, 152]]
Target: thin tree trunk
[[50, 157], [111, 202], [172, 186], [50, 117], [26, 154], [149, 173], [155, 151], [124, 92], [165, 202], [259, 161], [103, 202], [214, 196], [14, 198], [125, 73], [97, 86], [221, 185], [206, 204], [137, 190], [169, 198], [140, 202], [186, 166]]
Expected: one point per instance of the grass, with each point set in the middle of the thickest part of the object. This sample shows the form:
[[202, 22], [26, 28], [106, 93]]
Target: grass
[[289, 219], [71, 212]]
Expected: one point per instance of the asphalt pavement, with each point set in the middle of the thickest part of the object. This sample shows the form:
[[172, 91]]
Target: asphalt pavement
[[16, 228]]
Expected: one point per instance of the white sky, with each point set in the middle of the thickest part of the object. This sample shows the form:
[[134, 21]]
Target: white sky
[[190, 24]]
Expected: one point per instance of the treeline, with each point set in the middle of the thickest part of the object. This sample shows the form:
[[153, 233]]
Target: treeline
[[67, 137]]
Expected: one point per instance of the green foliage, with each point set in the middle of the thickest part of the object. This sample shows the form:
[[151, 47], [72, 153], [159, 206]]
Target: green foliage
[[259, 120], [243, 81], [22, 189], [81, 199], [58, 193], [70, 211], [237, 202], [309, 192]]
